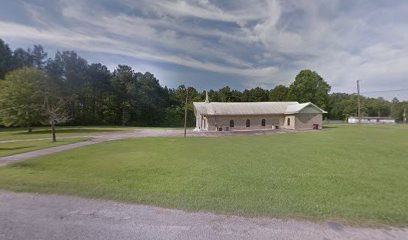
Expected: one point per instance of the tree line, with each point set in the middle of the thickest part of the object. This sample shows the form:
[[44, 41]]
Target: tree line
[[37, 89]]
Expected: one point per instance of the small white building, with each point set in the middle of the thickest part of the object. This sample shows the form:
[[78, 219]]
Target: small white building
[[371, 120]]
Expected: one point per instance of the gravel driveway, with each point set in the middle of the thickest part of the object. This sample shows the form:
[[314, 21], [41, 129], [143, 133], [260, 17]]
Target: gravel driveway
[[33, 216]]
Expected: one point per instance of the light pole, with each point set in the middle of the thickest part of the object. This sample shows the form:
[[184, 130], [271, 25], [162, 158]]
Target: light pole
[[358, 102], [185, 114]]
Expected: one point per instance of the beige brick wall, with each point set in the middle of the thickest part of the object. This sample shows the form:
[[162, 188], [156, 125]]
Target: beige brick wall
[[306, 120], [240, 122], [291, 120], [300, 121]]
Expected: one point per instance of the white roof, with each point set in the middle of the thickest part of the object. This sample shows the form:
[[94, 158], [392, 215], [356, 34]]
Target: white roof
[[299, 107], [250, 108]]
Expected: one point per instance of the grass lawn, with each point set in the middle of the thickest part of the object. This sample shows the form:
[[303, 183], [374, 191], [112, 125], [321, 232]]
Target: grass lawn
[[45, 132], [352, 174], [12, 148]]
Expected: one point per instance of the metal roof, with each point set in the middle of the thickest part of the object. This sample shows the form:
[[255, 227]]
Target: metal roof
[[250, 108], [296, 108]]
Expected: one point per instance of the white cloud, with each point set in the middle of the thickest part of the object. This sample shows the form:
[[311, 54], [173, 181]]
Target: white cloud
[[206, 10], [263, 43]]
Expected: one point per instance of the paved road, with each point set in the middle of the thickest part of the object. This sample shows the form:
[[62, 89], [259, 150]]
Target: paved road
[[32, 216], [156, 133], [116, 136], [94, 139]]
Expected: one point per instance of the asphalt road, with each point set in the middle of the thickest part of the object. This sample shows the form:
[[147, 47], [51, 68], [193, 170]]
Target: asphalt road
[[116, 136], [33, 216], [94, 139]]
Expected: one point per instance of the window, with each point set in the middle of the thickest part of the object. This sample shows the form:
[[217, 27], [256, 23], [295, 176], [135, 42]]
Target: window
[[263, 122], [248, 123], [288, 121], [231, 123]]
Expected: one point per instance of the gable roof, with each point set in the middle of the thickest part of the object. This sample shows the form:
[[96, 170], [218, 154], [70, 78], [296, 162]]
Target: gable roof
[[301, 106], [250, 108]]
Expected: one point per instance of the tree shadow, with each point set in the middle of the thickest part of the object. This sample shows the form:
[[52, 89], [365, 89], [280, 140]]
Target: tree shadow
[[14, 148], [325, 126], [67, 130]]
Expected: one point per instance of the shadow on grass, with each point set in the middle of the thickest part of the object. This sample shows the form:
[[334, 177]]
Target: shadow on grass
[[326, 126], [15, 148], [67, 130], [21, 164]]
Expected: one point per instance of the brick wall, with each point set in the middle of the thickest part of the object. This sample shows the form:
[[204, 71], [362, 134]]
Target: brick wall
[[300, 121], [240, 122], [306, 120]]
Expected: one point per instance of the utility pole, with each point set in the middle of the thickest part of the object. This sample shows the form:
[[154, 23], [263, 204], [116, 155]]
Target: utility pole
[[358, 102], [185, 114]]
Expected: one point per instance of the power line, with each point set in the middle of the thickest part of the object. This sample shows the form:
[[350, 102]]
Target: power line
[[380, 91]]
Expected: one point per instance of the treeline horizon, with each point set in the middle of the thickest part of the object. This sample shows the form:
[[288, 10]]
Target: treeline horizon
[[98, 96]]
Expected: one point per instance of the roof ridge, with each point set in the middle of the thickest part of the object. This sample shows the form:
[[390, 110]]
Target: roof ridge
[[250, 102]]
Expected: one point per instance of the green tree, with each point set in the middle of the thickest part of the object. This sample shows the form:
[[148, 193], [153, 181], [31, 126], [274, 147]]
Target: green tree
[[257, 94], [236, 96], [310, 87], [177, 99], [376, 107], [38, 56], [341, 106], [5, 58], [397, 109], [98, 92], [225, 94], [21, 98], [21, 58], [123, 78], [148, 99], [214, 96], [279, 93], [69, 71]]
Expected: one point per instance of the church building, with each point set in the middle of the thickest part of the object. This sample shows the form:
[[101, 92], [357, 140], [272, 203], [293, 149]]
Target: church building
[[232, 116]]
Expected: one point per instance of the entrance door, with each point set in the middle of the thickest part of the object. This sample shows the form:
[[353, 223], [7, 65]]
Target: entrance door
[[315, 126]]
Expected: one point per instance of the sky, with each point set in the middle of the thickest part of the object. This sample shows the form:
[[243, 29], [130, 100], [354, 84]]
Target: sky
[[211, 44]]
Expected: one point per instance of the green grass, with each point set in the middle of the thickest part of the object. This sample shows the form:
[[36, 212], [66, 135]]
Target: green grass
[[12, 148], [45, 132], [352, 174]]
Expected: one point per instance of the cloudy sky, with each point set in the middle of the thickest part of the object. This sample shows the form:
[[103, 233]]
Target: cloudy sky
[[211, 44]]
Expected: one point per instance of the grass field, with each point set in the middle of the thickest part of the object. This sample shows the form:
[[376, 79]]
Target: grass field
[[45, 132], [357, 175], [12, 148]]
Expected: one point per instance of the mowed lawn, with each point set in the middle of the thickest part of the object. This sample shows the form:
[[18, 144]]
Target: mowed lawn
[[12, 148], [45, 132], [352, 174]]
